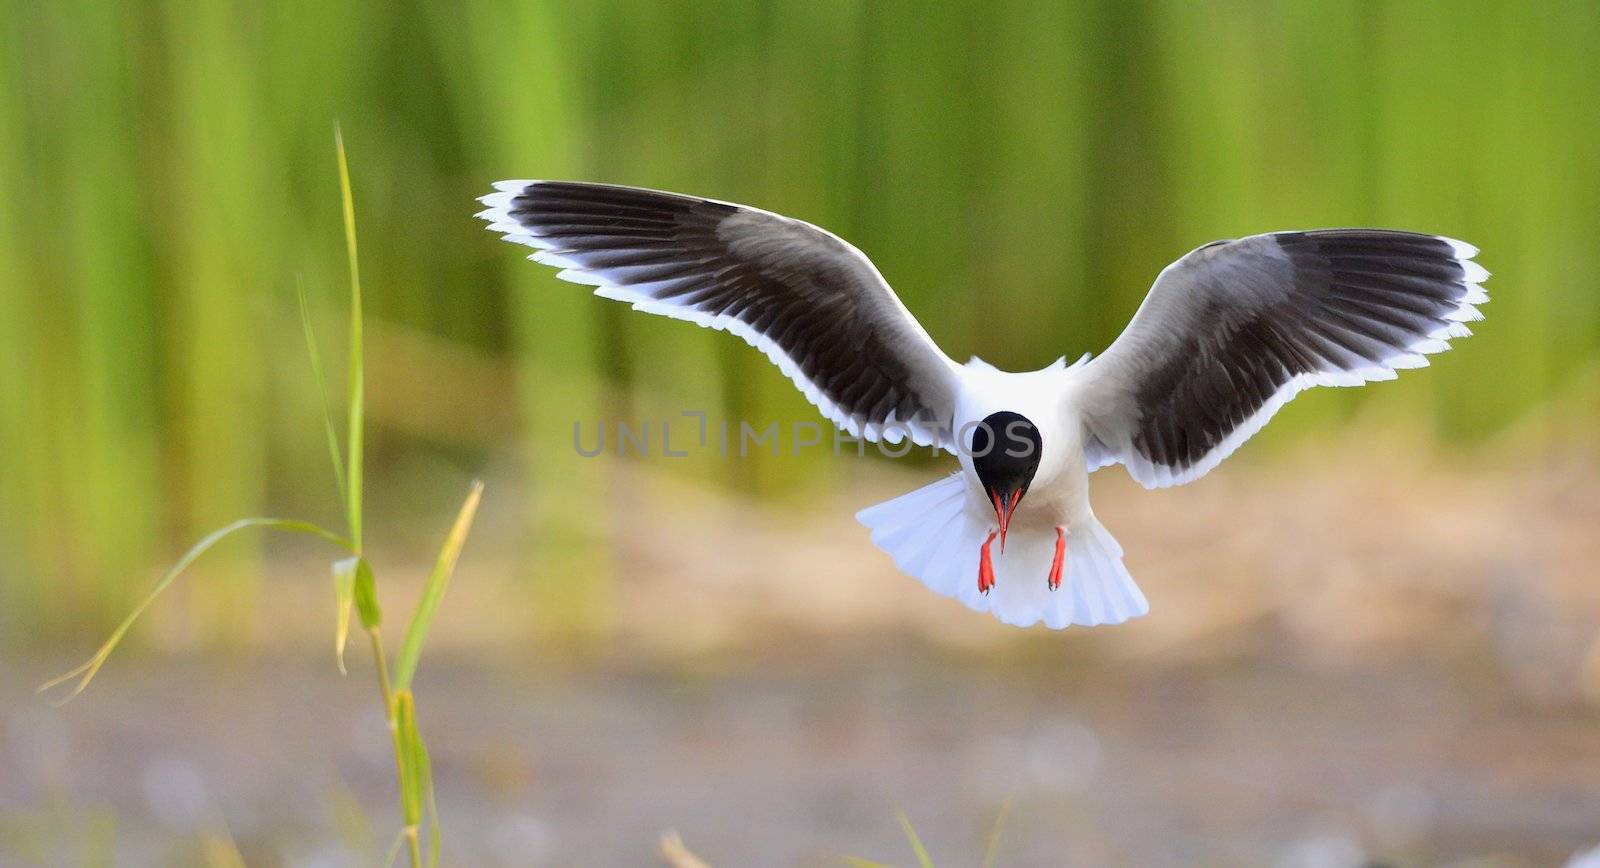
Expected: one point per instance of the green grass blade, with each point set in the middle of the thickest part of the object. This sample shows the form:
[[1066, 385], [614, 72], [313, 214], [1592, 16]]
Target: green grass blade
[[858, 862], [357, 383], [416, 779], [405, 712], [344, 596], [923, 859], [86, 672], [431, 801], [992, 852], [433, 591], [365, 592], [322, 389]]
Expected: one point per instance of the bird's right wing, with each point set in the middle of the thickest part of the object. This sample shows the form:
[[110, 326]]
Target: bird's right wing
[[813, 303], [1233, 330]]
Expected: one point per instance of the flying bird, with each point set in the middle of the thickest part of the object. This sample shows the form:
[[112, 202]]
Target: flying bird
[[1227, 335]]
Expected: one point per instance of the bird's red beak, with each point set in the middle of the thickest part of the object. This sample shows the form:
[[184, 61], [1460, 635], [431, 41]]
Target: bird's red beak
[[1003, 511]]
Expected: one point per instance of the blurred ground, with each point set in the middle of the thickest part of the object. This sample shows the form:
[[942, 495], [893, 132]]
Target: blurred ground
[[1350, 655]]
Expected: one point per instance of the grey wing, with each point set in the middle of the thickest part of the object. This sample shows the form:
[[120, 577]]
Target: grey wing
[[1232, 331], [813, 303]]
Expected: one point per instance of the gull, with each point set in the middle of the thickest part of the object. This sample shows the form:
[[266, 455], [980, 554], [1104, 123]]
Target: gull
[[1226, 336]]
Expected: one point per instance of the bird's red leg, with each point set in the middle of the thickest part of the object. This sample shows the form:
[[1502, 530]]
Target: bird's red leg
[[985, 566], [1060, 562]]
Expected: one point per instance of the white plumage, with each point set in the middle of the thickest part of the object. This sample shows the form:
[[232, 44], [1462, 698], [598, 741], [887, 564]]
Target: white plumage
[[1227, 335]]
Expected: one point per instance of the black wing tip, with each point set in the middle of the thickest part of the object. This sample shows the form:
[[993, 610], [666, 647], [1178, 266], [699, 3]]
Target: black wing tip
[[1396, 242], [1445, 261], [531, 203]]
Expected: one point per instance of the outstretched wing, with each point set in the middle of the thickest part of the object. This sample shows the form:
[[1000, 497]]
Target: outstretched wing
[[1232, 331], [813, 303]]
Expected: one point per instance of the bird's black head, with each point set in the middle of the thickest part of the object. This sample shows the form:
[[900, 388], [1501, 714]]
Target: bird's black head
[[1006, 449]]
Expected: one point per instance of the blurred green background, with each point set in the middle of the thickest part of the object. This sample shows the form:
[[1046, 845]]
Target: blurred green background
[[1019, 172]]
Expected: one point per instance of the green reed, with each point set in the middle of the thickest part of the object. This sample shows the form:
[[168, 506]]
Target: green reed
[[355, 587]]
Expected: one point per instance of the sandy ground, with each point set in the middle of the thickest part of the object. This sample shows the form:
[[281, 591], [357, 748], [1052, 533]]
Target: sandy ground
[[1397, 665]]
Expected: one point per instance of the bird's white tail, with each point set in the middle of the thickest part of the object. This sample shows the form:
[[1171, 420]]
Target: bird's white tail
[[931, 535]]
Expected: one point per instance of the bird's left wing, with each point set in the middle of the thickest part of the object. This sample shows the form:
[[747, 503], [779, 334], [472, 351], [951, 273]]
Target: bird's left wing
[[813, 303], [1232, 331]]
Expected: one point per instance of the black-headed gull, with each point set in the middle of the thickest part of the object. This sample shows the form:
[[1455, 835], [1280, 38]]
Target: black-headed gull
[[1226, 336]]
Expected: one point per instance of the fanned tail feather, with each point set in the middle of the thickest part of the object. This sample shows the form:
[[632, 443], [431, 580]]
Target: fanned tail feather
[[930, 535]]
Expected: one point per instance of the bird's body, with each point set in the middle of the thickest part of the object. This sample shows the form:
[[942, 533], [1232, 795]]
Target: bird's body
[[937, 532], [1226, 336]]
